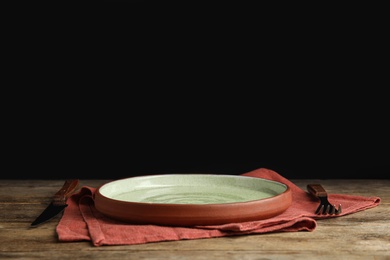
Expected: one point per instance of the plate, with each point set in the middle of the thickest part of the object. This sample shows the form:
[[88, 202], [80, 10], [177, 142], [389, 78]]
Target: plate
[[192, 199]]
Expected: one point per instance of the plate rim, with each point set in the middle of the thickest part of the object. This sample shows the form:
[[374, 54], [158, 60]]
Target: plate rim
[[169, 214], [287, 188]]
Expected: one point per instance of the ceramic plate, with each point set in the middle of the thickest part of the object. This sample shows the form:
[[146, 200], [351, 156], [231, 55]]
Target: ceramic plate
[[192, 199]]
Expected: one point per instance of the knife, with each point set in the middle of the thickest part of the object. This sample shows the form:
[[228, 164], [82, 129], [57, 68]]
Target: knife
[[58, 203]]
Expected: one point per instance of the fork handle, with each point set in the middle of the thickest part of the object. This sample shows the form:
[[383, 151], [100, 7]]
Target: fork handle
[[317, 190]]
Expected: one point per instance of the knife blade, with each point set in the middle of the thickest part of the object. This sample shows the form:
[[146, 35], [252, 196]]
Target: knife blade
[[58, 203]]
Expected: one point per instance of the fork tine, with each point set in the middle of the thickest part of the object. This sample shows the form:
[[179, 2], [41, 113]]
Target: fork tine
[[338, 211], [333, 210], [320, 209], [326, 211]]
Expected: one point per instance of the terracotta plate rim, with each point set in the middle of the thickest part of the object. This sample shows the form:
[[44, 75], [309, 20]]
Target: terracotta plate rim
[[194, 214]]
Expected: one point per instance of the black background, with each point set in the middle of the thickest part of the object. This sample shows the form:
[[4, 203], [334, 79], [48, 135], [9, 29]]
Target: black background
[[207, 133], [110, 91]]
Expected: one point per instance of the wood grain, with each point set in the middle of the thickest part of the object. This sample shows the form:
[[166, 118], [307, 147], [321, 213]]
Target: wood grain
[[362, 235]]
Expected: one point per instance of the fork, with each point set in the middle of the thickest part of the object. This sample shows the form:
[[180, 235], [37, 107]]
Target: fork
[[325, 206]]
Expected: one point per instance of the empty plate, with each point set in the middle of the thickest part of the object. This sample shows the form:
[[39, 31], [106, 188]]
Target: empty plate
[[192, 199]]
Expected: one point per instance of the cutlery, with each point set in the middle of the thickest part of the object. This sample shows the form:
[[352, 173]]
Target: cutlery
[[325, 206], [58, 203]]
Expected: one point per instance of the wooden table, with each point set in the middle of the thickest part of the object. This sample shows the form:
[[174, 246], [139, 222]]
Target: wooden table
[[362, 235]]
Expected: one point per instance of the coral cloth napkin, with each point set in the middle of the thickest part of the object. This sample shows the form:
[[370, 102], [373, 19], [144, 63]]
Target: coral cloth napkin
[[82, 222]]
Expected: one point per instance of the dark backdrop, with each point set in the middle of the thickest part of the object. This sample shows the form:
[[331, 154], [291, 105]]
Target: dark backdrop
[[136, 90], [118, 140]]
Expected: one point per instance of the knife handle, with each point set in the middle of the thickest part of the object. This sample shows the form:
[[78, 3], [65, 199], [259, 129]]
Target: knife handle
[[64, 193]]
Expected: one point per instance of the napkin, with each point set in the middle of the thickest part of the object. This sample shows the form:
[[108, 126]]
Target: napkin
[[82, 222]]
